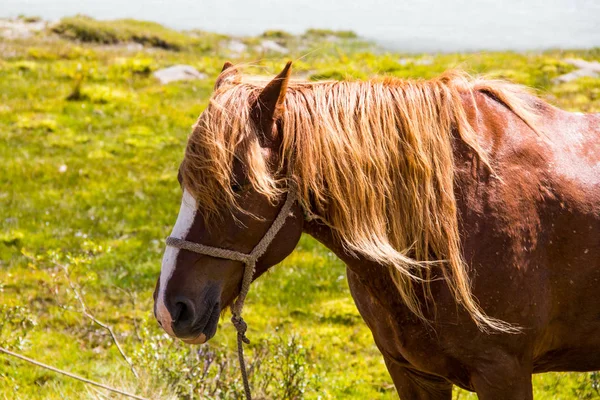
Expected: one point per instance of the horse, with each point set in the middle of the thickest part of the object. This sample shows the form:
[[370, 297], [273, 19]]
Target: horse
[[466, 210]]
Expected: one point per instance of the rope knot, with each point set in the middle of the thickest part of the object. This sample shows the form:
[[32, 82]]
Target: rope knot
[[241, 327]]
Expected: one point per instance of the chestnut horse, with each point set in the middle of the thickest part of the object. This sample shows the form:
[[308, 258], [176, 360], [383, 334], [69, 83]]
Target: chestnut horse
[[466, 210]]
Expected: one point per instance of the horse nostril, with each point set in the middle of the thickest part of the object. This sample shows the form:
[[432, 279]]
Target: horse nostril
[[183, 312]]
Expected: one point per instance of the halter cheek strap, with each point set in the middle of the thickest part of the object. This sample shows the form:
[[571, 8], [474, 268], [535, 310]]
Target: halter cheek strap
[[249, 261]]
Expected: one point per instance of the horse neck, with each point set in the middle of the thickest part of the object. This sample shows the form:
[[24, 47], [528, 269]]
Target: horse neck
[[463, 154]]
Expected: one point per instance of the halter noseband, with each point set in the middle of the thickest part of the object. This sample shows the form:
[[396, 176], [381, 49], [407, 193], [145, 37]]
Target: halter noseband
[[249, 261]]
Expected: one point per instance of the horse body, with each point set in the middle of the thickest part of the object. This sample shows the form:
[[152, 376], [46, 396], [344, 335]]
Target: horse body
[[522, 205], [532, 240]]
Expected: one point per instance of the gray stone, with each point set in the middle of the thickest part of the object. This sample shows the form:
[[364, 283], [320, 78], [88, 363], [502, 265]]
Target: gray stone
[[236, 47], [424, 61], [582, 64], [586, 68], [578, 73], [19, 29], [416, 61], [178, 73], [271, 45]]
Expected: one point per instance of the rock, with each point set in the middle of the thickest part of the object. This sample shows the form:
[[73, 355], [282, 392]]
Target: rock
[[271, 45], [130, 47], [20, 29], [178, 73], [578, 73], [586, 68], [236, 47], [417, 61], [424, 61], [582, 64]]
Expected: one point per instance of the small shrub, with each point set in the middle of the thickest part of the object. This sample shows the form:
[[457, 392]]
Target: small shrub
[[322, 33], [594, 380], [277, 369], [11, 238], [36, 122], [30, 18], [277, 34], [142, 66], [42, 54], [76, 94], [26, 66], [103, 94], [16, 321], [78, 78]]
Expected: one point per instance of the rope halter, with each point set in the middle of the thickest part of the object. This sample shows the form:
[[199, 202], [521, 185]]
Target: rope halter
[[249, 261]]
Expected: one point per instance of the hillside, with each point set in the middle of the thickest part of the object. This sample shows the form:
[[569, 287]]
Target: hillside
[[90, 143]]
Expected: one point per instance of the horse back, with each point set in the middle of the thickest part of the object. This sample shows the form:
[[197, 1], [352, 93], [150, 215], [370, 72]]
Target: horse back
[[532, 228]]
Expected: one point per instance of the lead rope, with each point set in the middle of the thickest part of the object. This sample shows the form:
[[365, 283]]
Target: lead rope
[[249, 261], [240, 325]]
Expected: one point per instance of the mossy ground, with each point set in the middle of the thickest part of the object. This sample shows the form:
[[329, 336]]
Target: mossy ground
[[90, 183]]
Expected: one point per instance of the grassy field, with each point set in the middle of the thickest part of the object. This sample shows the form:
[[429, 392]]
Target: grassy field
[[90, 143]]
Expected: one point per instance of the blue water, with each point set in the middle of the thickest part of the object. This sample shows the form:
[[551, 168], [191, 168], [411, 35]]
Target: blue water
[[427, 25]]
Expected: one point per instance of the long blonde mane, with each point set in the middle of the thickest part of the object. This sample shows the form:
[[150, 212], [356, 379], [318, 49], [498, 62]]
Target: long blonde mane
[[373, 160]]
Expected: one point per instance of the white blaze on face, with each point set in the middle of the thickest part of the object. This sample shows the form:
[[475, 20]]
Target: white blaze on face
[[185, 219]]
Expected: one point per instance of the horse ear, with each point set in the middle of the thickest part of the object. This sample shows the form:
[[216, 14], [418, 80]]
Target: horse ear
[[270, 102], [228, 74], [227, 65]]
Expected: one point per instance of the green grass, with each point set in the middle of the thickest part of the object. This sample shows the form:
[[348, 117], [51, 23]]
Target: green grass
[[86, 29], [89, 181]]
